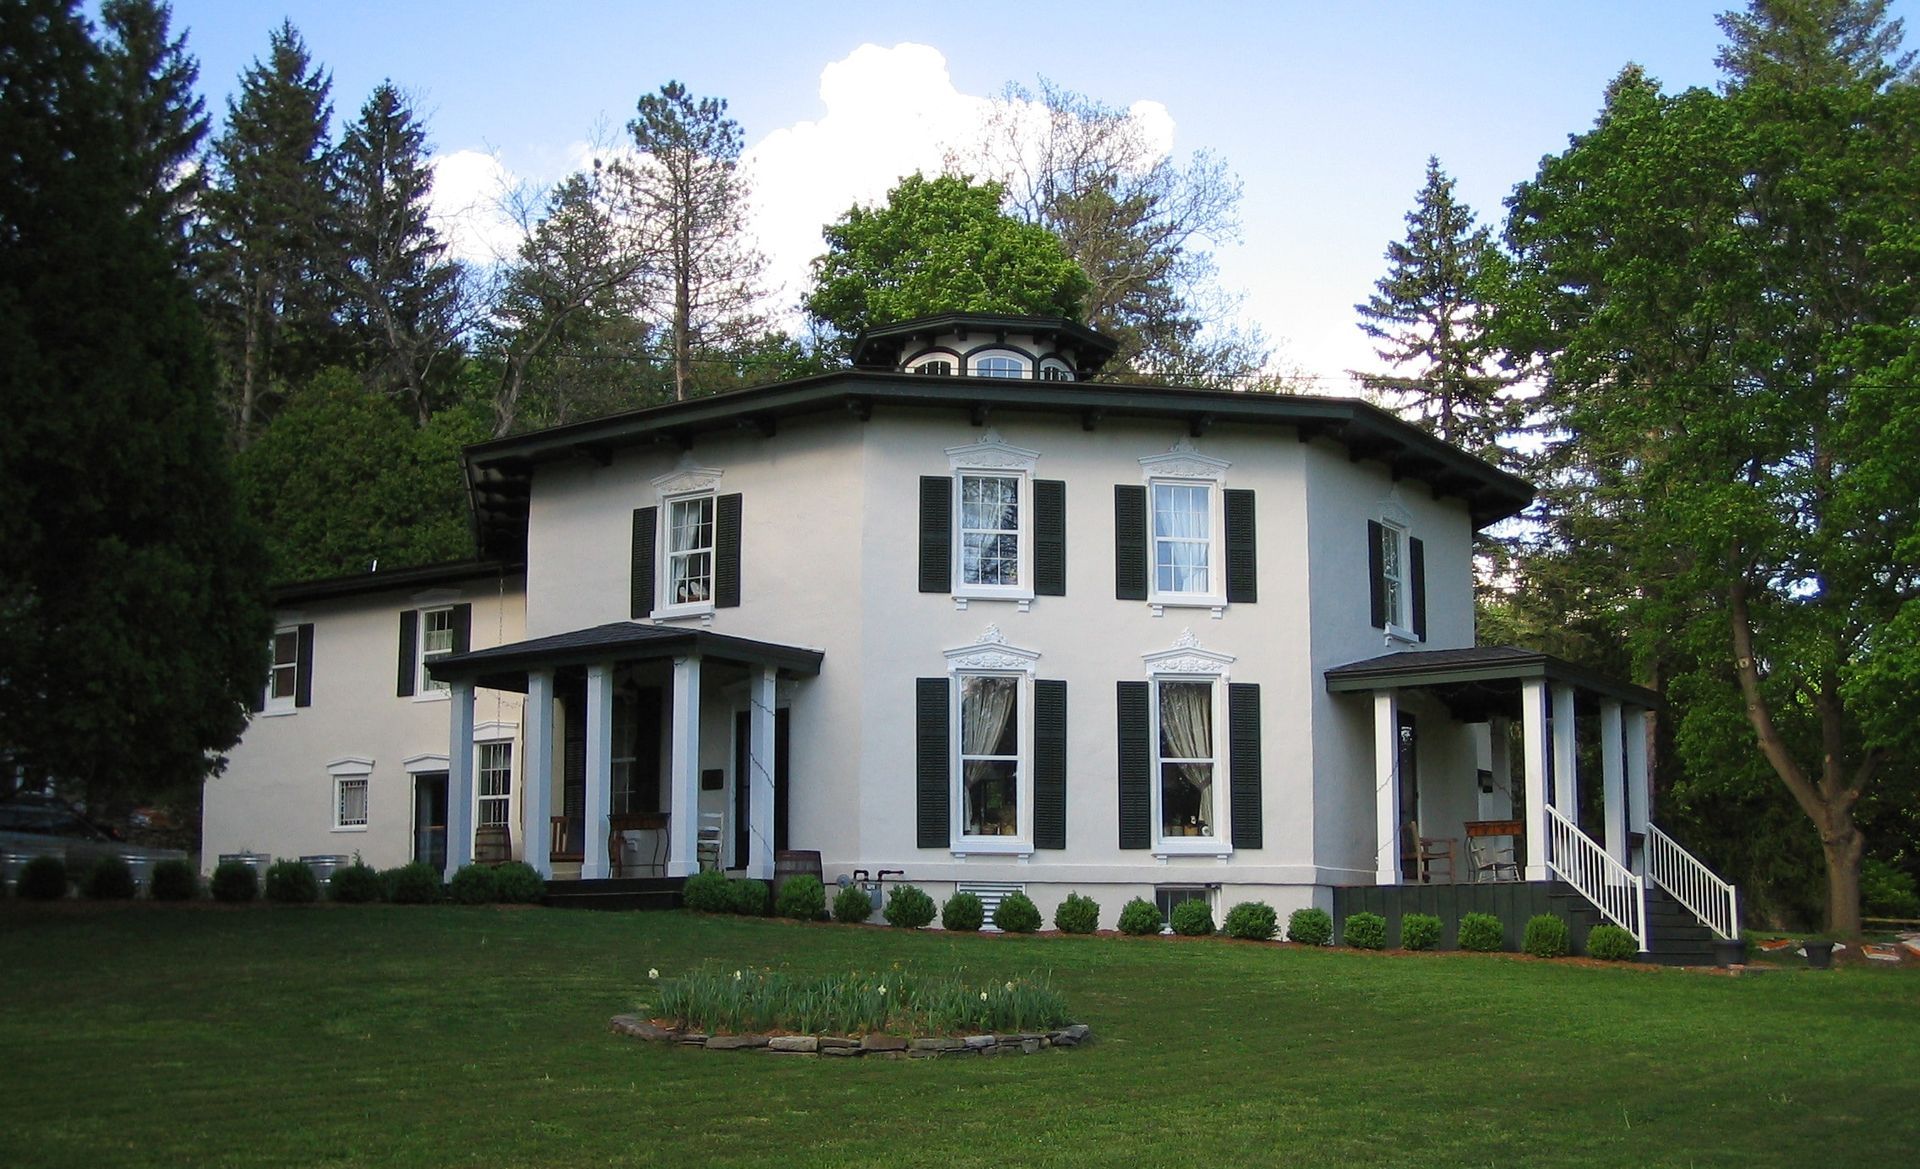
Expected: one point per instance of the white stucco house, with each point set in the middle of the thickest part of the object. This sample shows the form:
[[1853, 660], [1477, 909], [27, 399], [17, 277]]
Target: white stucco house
[[968, 615]]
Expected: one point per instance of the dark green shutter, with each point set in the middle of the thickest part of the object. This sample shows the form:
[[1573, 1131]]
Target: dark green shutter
[[1136, 753], [1243, 742], [641, 580], [1050, 763], [409, 652], [933, 778], [1417, 568], [1049, 538], [462, 628], [1376, 575], [936, 533], [726, 552], [303, 668], [1130, 543], [1243, 574]]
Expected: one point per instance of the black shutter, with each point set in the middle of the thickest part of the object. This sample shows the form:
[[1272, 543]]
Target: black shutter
[[462, 628], [1049, 538], [1376, 575], [641, 579], [647, 708], [409, 651], [1050, 763], [1243, 574], [257, 700], [1243, 742], [1417, 565], [726, 552], [1136, 743], [1130, 544], [932, 774], [303, 668], [936, 533]]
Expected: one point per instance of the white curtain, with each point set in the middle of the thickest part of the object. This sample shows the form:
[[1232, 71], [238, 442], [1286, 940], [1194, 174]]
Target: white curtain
[[986, 703], [1181, 529], [1186, 732]]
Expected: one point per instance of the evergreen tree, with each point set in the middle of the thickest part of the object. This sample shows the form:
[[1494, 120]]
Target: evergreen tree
[[401, 295], [131, 625], [1807, 44], [1426, 313], [269, 226], [152, 78]]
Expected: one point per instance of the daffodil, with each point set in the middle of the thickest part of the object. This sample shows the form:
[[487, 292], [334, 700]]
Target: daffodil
[[653, 972], [736, 976], [983, 996]]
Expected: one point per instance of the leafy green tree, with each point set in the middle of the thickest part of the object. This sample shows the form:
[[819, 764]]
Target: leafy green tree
[[939, 245], [403, 296], [268, 228], [341, 479], [131, 624], [1426, 314]]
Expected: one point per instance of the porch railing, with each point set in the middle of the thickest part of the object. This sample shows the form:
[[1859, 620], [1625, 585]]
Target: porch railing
[[1692, 884], [1613, 888]]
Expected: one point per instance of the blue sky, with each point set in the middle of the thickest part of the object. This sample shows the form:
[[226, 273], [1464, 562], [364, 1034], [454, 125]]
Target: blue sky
[[1326, 111]]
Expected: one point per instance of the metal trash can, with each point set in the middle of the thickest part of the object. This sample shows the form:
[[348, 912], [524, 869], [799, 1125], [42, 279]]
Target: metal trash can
[[323, 866], [140, 864]]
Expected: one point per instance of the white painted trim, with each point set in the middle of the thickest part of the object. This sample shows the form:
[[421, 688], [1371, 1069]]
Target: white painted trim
[[269, 704], [992, 653], [460, 785], [418, 764], [599, 770], [494, 730], [993, 457], [992, 657], [1386, 787], [1187, 662], [1183, 461], [435, 598], [350, 765], [689, 478], [1186, 657], [536, 774], [1533, 739]]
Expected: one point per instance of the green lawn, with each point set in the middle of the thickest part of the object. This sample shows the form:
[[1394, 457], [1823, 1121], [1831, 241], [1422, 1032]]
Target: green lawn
[[387, 1035]]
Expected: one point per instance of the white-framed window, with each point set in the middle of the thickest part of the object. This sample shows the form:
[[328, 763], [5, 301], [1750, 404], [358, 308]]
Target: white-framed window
[[991, 725], [1395, 586], [495, 773], [689, 550], [1186, 529], [1189, 695], [999, 365], [937, 366], [1053, 370], [351, 803], [284, 681], [1171, 897], [436, 641], [992, 521]]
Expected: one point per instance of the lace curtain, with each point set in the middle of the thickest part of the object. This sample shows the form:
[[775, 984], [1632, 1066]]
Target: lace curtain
[[1186, 732], [986, 705]]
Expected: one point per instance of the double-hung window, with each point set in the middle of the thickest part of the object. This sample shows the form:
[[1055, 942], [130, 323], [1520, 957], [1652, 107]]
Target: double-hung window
[[283, 682], [496, 782], [990, 519], [978, 534], [989, 755], [436, 641], [1183, 560], [1177, 524], [351, 806], [1397, 567], [1188, 757], [689, 550]]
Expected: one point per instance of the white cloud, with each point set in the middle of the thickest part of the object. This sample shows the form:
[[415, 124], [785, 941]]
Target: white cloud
[[465, 206]]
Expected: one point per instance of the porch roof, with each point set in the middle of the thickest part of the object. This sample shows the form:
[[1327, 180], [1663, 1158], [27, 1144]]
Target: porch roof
[[1483, 680], [504, 667]]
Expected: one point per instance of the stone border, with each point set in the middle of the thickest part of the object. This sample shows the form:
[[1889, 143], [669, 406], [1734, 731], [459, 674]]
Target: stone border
[[886, 1046]]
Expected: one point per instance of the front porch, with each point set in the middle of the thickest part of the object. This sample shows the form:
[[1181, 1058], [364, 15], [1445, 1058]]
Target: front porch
[[648, 751]]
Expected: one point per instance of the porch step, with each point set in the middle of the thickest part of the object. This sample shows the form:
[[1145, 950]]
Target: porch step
[[615, 893], [1674, 936]]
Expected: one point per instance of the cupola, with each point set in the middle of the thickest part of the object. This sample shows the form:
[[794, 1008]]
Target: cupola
[[985, 345]]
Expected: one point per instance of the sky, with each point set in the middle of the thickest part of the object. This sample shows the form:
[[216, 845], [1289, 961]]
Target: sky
[[1327, 112]]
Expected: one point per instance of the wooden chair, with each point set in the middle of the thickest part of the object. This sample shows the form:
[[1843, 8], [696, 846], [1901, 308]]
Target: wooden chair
[[712, 824], [1434, 852], [1492, 860]]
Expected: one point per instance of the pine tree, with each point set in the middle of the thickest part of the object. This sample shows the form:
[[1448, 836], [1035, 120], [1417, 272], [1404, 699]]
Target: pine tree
[[152, 79], [270, 222], [1806, 44], [1426, 313], [401, 294], [131, 626]]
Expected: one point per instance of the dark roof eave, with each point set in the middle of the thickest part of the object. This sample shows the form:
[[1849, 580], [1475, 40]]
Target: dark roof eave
[[1498, 664], [418, 577], [504, 667]]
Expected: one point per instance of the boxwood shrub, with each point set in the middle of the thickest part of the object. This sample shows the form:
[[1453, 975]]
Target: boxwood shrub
[[908, 907], [1419, 931], [291, 883], [963, 912], [851, 904], [707, 892], [1192, 918], [1139, 917], [749, 897], [354, 884], [1311, 926], [1017, 914], [802, 898], [44, 879], [174, 880], [1077, 915], [234, 882], [1365, 931], [415, 883], [1253, 920], [108, 880], [1482, 932], [473, 884], [515, 883], [1546, 936], [1610, 943]]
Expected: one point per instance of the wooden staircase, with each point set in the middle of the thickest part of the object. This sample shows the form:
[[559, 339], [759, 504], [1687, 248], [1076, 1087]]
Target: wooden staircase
[[1674, 936], [615, 893]]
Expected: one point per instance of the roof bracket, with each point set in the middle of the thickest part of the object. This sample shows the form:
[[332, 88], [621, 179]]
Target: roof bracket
[[1091, 418], [764, 423], [1198, 424], [979, 412], [599, 452], [861, 408]]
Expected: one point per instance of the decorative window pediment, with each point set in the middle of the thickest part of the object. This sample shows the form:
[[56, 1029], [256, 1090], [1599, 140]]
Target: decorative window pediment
[[991, 453], [686, 479], [1183, 461], [1186, 657], [992, 652]]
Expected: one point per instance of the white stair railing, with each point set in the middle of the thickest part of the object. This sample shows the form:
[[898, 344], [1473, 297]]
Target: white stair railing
[[1692, 884], [1614, 889]]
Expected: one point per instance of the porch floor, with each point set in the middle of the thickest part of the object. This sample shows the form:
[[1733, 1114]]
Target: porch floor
[[1674, 936]]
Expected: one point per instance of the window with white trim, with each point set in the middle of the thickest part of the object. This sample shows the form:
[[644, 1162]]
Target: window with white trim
[[1187, 757], [284, 681], [1183, 559], [495, 773], [1393, 576], [999, 365], [350, 801], [990, 544], [988, 747], [1053, 371], [689, 550], [938, 366], [436, 641]]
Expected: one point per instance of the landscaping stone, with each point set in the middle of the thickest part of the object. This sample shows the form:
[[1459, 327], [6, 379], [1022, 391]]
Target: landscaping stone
[[980, 1042], [875, 1046], [690, 1038], [936, 1044], [800, 1043], [849, 1050], [640, 1028], [836, 1042], [874, 1042], [736, 1042]]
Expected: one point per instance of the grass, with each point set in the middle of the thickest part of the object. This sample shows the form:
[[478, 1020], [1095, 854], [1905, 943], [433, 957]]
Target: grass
[[393, 1035]]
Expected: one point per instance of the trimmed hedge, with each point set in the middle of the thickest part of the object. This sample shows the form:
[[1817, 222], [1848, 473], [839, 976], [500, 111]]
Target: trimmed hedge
[[473, 884], [1140, 917], [749, 897], [1546, 937], [1419, 931], [514, 883], [1610, 943], [851, 904], [1311, 926], [1252, 920], [234, 882], [1482, 932], [414, 883], [1077, 915], [290, 882], [908, 907], [963, 912], [1192, 918], [1365, 931], [1017, 914], [44, 879], [174, 880], [707, 892], [802, 898], [108, 880]]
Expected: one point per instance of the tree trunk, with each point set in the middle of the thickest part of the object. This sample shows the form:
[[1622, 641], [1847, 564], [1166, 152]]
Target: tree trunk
[[1844, 847]]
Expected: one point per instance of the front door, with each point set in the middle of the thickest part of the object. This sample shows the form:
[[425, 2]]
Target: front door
[[1408, 768], [742, 789], [430, 819]]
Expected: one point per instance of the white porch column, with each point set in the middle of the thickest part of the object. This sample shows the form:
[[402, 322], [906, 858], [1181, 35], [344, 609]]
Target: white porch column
[[684, 769], [1613, 780], [593, 862], [1533, 752], [1498, 804], [459, 776], [759, 778], [1386, 786], [536, 774], [1638, 783], [1566, 757]]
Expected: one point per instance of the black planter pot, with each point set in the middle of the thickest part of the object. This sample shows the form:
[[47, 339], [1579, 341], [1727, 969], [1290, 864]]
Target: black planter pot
[[1819, 954], [1729, 951]]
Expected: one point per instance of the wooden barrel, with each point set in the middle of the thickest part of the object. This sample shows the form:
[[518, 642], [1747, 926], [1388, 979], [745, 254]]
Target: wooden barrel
[[492, 844], [792, 862]]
